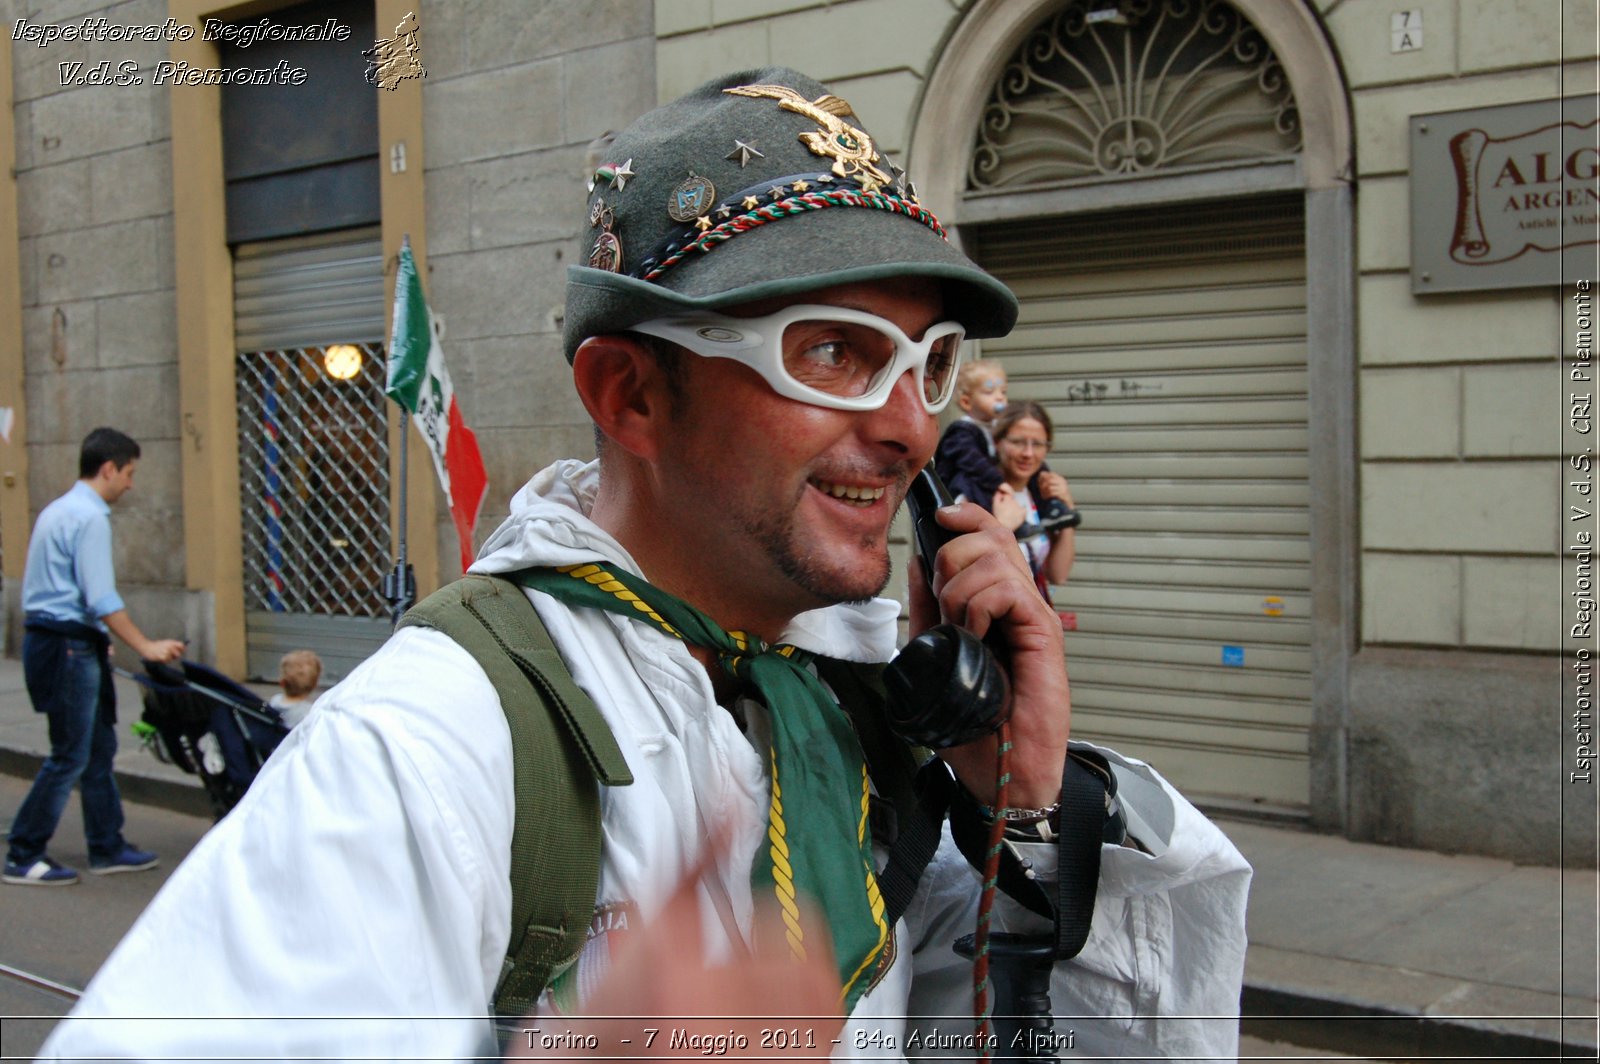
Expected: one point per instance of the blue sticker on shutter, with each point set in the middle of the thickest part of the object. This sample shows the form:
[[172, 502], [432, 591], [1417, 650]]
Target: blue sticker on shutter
[[1233, 656]]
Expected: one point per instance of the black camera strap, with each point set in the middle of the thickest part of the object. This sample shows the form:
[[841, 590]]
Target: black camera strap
[[1082, 832], [909, 806], [916, 841], [1085, 784]]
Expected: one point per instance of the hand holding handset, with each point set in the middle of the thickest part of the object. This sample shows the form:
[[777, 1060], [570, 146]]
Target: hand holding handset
[[926, 495], [946, 688]]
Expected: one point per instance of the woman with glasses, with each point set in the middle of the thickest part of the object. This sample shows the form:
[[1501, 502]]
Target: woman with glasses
[[1022, 437]]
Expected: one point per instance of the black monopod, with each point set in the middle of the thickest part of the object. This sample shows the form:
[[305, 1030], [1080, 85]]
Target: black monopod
[[1019, 970]]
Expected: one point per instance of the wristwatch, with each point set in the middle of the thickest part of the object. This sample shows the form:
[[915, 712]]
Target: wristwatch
[[1044, 825], [1033, 825]]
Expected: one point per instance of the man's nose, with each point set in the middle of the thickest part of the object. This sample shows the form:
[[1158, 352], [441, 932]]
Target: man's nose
[[903, 422]]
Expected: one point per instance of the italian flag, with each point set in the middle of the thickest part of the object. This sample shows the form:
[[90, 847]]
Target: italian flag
[[418, 381]]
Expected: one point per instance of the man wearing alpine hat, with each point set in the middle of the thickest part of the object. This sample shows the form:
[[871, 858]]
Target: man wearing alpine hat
[[765, 330]]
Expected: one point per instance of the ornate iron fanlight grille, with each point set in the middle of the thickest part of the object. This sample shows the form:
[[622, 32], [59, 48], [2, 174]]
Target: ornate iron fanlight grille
[[314, 481], [1106, 90]]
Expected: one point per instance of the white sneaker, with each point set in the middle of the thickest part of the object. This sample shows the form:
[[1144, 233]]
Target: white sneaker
[[45, 872]]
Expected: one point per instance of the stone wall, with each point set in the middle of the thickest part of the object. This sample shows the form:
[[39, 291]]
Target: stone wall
[[1456, 741], [1459, 445], [874, 53], [514, 96], [94, 205], [1456, 752]]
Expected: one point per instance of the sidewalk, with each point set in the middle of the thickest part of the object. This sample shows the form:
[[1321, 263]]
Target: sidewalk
[[25, 740], [1364, 949]]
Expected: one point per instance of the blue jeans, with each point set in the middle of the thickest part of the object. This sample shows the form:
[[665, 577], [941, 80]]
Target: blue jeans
[[67, 679]]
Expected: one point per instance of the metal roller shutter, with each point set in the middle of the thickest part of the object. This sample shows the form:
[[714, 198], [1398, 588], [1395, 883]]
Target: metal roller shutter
[[1169, 347], [313, 451], [309, 291]]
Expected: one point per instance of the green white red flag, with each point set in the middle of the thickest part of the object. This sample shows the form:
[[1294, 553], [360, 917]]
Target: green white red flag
[[418, 381]]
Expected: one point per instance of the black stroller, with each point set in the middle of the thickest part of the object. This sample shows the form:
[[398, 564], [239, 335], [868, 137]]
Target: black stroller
[[209, 726]]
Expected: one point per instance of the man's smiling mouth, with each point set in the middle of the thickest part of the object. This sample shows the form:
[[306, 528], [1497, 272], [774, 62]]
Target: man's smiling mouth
[[850, 493]]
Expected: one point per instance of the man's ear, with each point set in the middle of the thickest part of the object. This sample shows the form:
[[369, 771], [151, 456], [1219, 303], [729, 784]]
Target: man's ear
[[621, 384]]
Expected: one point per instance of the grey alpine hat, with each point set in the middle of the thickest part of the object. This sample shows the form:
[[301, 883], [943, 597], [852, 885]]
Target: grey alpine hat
[[755, 185]]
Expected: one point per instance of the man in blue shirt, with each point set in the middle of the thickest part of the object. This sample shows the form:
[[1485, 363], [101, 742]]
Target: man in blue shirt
[[69, 601]]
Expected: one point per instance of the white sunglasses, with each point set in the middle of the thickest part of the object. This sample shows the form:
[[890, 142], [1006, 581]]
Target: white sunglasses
[[828, 356]]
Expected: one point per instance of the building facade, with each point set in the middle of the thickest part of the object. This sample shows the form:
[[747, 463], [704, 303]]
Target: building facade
[[1327, 546]]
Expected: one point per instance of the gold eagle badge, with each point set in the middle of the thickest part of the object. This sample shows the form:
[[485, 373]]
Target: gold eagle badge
[[850, 148]]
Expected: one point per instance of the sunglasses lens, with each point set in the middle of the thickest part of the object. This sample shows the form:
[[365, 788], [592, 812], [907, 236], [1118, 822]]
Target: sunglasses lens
[[847, 359], [853, 359], [939, 373]]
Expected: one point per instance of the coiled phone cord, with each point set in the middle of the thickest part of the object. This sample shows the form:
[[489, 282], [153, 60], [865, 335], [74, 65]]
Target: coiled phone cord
[[981, 1006]]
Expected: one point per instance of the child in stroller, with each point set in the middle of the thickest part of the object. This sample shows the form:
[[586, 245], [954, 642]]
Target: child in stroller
[[209, 726], [298, 673]]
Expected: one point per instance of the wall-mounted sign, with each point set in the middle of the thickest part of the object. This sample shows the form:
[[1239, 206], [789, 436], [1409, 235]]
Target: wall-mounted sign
[[1405, 31], [1505, 197]]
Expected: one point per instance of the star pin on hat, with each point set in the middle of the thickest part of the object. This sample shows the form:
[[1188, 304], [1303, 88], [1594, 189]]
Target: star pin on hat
[[757, 185]]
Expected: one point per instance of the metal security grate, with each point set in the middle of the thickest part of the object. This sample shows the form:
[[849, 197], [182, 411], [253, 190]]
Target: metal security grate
[[1103, 91], [314, 483]]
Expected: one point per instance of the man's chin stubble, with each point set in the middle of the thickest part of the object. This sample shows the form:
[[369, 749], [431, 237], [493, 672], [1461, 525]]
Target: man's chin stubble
[[810, 573], [806, 572]]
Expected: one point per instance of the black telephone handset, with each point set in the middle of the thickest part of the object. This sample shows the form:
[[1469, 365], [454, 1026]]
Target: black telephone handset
[[946, 687]]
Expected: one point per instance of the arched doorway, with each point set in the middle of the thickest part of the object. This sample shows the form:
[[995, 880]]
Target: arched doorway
[[1163, 184]]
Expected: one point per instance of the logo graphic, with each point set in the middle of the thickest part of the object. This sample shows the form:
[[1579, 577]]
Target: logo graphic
[[608, 928], [1512, 192], [690, 198], [392, 61]]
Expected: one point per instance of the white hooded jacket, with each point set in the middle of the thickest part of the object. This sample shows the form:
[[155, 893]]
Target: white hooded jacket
[[362, 889]]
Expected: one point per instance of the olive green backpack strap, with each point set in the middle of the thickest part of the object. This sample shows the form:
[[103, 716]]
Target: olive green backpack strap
[[561, 749]]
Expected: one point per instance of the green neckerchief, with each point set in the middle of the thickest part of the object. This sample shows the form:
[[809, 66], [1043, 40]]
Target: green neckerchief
[[817, 822]]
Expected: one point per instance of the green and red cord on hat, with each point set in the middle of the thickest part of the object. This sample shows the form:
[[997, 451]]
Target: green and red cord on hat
[[661, 241]]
